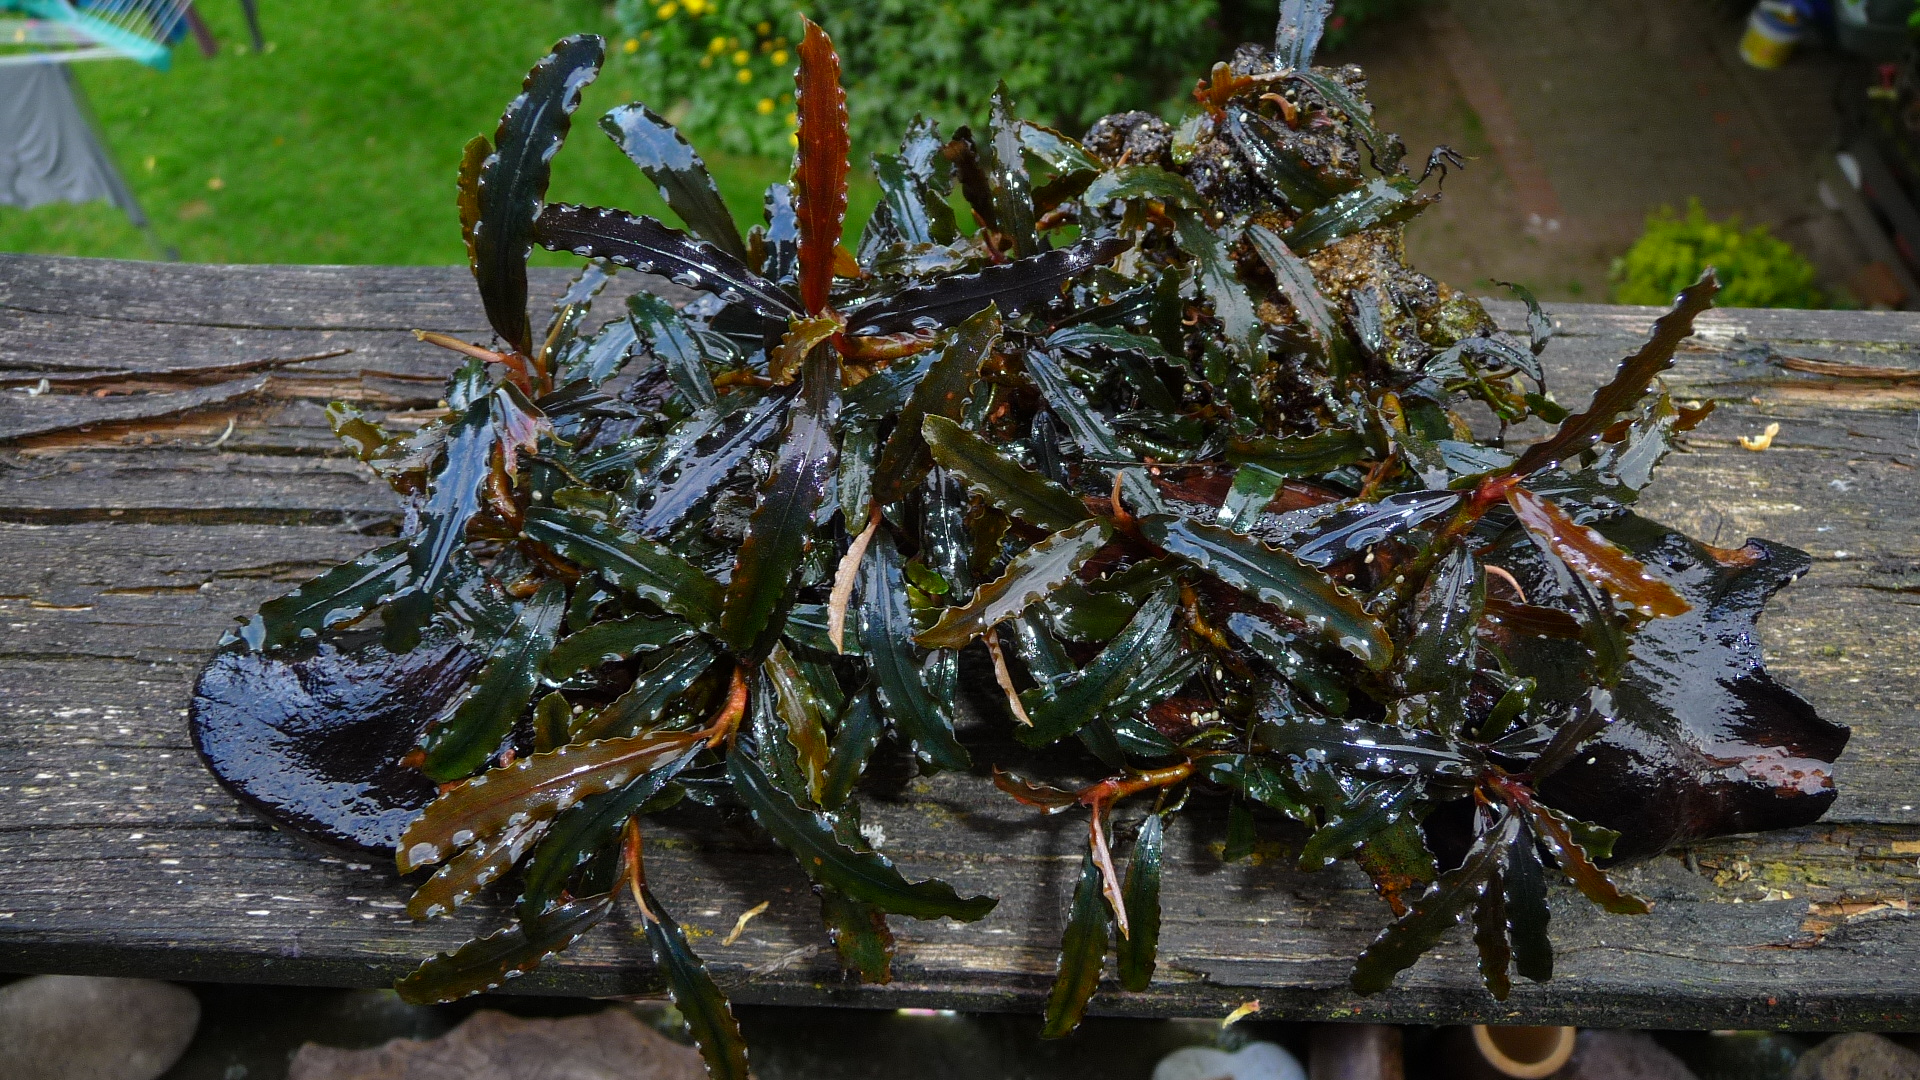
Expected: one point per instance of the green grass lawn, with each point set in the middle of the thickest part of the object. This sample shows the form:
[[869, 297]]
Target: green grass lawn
[[341, 143]]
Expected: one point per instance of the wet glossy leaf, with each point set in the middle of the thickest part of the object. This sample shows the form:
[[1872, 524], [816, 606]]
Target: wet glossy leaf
[[1001, 481], [1302, 22], [1137, 951], [942, 393], [1016, 288], [1490, 938], [1302, 455], [854, 739], [1030, 576], [1133, 665], [1594, 557], [1380, 202], [1352, 531], [1556, 831], [464, 875], [660, 328], [1386, 149], [861, 875], [1007, 177], [340, 595], [1629, 384], [1054, 150], [1439, 654], [708, 1016], [466, 740], [1083, 950], [820, 171], [584, 831], [641, 243], [1279, 165], [1091, 430], [454, 502], [912, 210], [643, 568], [661, 152], [781, 529], [1367, 747], [487, 963], [860, 935], [653, 690], [1435, 913], [1142, 182], [1278, 578], [694, 474], [1526, 909], [1297, 283], [1364, 815], [511, 183], [538, 786], [607, 642], [603, 357], [803, 712], [886, 637], [1293, 659], [1220, 283]]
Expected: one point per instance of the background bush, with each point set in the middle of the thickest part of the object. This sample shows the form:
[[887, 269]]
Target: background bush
[[1757, 269], [722, 69]]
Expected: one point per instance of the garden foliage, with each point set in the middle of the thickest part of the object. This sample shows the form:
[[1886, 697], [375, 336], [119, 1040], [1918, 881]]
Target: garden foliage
[[1755, 267]]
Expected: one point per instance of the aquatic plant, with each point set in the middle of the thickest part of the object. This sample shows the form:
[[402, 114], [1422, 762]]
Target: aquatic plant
[[1167, 443]]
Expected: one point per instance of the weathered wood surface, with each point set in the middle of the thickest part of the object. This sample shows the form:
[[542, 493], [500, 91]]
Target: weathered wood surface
[[177, 471]]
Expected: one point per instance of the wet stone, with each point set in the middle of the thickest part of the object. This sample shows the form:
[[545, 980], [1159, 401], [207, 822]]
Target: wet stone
[[71, 1027]]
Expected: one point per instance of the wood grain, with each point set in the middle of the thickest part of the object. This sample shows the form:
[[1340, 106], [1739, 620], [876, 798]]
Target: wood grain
[[133, 532]]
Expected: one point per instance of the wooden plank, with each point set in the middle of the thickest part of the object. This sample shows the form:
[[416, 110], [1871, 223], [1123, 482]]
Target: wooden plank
[[127, 545]]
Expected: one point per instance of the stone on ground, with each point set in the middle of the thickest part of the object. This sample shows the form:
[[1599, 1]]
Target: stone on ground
[[609, 1045], [76, 1027], [1622, 1055], [1858, 1057]]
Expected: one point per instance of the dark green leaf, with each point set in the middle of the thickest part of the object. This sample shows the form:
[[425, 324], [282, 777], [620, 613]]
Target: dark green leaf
[[1029, 577], [1527, 911], [1141, 895], [1117, 675], [1629, 384], [781, 529], [1296, 281], [1380, 202], [643, 568], [1083, 950], [1555, 829], [550, 722], [1142, 182], [1240, 326], [512, 182], [646, 245], [943, 393], [697, 474], [1386, 149], [881, 395], [1351, 531], [917, 212], [999, 479], [662, 330], [803, 710], [603, 357], [467, 873], [1007, 176], [671, 163], [1400, 944], [709, 1018], [1091, 430], [465, 741], [487, 963], [860, 935], [1302, 22], [854, 739], [1016, 288], [1490, 938], [861, 875], [1364, 746], [1277, 578], [454, 502], [886, 637], [340, 595], [1439, 654], [641, 706], [607, 642], [1278, 162], [584, 831], [1364, 814], [1240, 832], [1539, 323]]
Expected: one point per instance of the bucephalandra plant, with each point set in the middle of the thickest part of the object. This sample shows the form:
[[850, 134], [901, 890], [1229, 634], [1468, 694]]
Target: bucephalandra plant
[[1170, 445]]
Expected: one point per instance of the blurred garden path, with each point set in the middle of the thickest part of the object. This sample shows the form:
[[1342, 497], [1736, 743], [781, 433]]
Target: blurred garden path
[[1583, 115]]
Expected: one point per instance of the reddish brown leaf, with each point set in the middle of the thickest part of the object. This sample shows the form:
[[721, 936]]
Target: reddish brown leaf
[[1033, 793], [1593, 557], [820, 175]]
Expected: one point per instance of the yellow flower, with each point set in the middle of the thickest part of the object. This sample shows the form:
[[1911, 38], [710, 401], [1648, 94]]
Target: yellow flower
[[766, 46], [745, 75], [779, 56], [718, 44], [793, 119], [741, 57], [667, 10], [695, 8], [706, 61], [763, 29], [765, 106], [632, 45]]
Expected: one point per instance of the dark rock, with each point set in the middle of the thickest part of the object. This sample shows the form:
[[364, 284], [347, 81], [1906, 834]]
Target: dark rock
[[71, 1027], [1622, 1055], [1859, 1056]]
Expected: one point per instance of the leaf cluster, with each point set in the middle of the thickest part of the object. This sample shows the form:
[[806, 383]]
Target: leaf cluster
[[1167, 437]]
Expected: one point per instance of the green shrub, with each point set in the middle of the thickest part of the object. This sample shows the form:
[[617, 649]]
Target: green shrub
[[1757, 269], [710, 63]]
